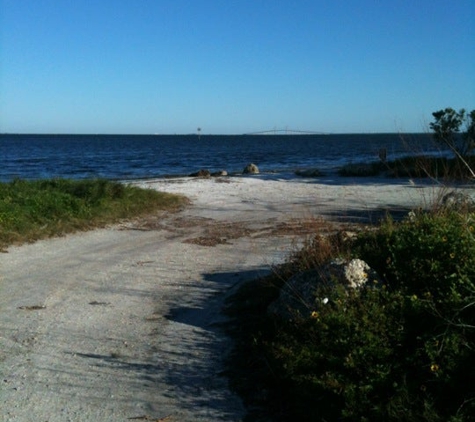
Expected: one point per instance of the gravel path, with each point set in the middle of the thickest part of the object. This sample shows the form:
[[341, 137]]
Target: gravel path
[[116, 324]]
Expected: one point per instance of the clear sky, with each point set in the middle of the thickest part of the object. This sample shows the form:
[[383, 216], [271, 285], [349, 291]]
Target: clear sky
[[233, 66]]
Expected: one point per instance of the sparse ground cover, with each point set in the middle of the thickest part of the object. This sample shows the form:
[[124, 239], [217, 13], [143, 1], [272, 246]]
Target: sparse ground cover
[[32, 210]]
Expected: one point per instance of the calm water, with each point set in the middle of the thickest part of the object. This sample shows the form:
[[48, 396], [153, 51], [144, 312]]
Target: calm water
[[138, 156]]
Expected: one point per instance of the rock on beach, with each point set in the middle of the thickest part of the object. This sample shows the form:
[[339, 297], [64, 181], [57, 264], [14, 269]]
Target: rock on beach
[[251, 169]]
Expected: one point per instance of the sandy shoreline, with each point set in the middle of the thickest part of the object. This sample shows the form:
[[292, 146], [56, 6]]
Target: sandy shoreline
[[123, 322], [286, 195]]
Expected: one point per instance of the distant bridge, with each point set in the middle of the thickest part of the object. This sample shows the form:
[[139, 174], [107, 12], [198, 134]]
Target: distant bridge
[[286, 132]]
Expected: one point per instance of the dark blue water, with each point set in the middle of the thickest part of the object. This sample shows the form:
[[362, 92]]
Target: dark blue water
[[143, 156]]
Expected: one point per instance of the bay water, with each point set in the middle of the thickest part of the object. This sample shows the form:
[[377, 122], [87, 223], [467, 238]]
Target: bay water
[[127, 157]]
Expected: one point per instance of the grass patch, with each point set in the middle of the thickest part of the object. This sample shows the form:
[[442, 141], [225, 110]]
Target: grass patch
[[402, 351], [32, 210]]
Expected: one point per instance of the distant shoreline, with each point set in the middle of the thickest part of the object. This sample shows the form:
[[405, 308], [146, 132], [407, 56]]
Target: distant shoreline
[[262, 133]]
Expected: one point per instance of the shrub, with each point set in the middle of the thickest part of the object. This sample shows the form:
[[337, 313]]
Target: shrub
[[402, 351], [427, 252], [435, 167]]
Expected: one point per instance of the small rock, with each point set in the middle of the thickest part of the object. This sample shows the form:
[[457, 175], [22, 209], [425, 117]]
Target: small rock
[[356, 273], [251, 169]]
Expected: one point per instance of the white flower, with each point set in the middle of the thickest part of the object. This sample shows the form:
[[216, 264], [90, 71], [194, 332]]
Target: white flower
[[325, 301]]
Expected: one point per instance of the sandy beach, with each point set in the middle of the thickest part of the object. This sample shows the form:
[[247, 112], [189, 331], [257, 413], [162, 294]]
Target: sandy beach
[[123, 323]]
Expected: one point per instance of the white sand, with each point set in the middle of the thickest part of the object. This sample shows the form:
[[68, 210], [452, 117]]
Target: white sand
[[120, 323], [284, 196]]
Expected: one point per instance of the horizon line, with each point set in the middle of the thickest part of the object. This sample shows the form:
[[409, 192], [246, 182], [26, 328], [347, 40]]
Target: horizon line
[[278, 132]]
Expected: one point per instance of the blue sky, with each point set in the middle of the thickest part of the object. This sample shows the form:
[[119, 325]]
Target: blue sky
[[233, 66]]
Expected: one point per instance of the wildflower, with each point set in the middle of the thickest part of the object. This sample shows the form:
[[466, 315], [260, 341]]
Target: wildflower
[[414, 297], [434, 367], [314, 314], [325, 300], [444, 239], [452, 255]]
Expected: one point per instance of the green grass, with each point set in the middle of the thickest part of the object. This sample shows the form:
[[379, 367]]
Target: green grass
[[400, 352], [32, 210]]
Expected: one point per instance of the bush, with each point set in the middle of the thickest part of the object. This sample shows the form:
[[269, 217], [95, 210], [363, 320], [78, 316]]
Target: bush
[[402, 351], [438, 247]]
